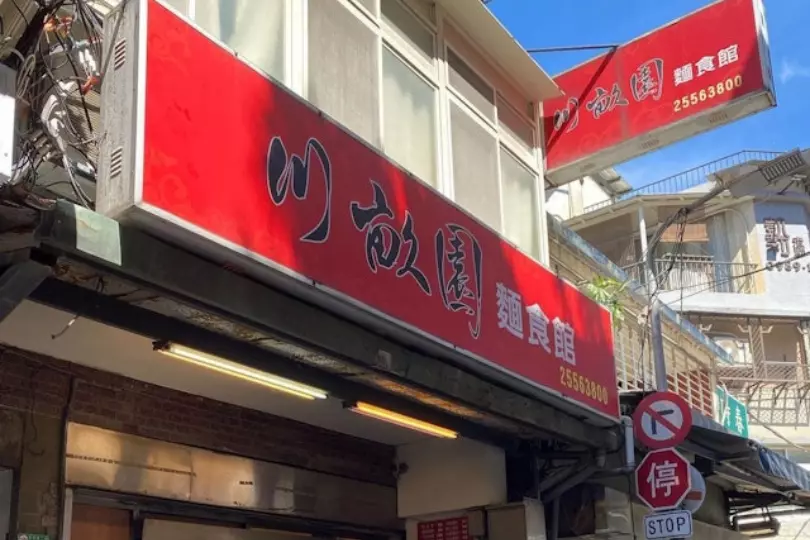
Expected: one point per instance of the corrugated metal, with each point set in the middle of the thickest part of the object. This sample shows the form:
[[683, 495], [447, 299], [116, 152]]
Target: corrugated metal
[[112, 461]]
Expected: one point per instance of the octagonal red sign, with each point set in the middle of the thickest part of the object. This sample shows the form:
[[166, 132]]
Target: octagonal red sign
[[662, 479]]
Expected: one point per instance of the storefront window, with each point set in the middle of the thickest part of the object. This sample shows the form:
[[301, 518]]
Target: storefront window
[[475, 168], [409, 28], [259, 40], [409, 118], [520, 204], [472, 87], [343, 68]]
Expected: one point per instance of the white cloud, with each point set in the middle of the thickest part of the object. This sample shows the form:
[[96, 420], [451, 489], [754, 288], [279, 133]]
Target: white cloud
[[792, 70]]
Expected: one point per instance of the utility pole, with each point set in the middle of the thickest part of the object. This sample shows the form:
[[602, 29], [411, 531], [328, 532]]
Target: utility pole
[[787, 164]]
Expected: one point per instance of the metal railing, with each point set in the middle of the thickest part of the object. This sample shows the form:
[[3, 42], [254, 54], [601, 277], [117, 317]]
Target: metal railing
[[765, 372], [689, 178], [697, 274]]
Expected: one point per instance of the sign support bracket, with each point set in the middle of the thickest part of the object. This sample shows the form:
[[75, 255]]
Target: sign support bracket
[[568, 48]]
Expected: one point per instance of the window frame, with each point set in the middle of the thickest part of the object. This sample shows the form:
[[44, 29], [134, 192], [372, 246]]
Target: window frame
[[532, 160], [436, 110], [436, 74], [289, 41]]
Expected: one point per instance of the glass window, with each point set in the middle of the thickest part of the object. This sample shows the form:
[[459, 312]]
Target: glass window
[[259, 40], [520, 224], [343, 68], [513, 124], [467, 83], [179, 5], [409, 118], [475, 168], [370, 5], [407, 26]]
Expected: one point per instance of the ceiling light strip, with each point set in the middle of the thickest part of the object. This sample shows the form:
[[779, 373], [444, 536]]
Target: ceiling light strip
[[366, 409], [240, 371]]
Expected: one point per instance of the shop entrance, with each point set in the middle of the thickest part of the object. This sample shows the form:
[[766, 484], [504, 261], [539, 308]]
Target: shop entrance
[[106, 523], [100, 523], [98, 515], [158, 529]]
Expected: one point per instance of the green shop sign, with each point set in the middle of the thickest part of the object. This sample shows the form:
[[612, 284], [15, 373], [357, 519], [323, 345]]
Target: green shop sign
[[731, 412]]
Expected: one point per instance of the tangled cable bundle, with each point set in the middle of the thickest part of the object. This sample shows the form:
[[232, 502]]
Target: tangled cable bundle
[[58, 60]]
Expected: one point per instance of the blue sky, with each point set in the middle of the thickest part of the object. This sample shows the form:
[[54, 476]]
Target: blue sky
[[549, 23]]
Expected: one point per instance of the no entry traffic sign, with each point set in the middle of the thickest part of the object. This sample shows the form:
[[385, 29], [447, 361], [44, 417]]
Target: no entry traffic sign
[[663, 479], [662, 420]]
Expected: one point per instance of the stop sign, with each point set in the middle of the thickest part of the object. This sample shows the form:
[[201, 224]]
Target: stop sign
[[663, 479]]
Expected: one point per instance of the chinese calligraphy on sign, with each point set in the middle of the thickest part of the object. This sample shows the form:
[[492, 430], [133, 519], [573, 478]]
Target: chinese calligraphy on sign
[[776, 237], [798, 246], [731, 412], [663, 477], [564, 341], [706, 64], [647, 81], [604, 101], [510, 307], [538, 327], [778, 243], [569, 115], [510, 318], [287, 174], [459, 262], [384, 242]]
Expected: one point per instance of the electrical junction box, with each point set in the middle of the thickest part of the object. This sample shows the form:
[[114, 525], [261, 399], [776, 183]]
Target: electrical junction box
[[8, 117]]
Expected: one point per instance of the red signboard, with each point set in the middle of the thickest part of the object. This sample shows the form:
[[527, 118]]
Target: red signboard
[[444, 529], [663, 479], [238, 162], [698, 72]]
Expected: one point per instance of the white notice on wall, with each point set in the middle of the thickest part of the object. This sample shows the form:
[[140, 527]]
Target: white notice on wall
[[660, 526]]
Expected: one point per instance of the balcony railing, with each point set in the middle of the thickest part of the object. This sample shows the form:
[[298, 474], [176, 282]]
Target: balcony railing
[[689, 178], [768, 371], [689, 368], [696, 275]]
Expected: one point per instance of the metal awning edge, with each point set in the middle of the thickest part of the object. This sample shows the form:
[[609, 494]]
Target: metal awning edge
[[91, 238]]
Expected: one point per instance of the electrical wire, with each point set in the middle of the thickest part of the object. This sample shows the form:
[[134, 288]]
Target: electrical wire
[[54, 135]]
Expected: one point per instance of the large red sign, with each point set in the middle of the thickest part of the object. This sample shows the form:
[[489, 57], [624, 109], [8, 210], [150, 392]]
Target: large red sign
[[698, 72], [663, 479], [238, 160]]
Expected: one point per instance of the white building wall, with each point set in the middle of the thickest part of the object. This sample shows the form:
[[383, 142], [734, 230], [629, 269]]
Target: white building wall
[[574, 199], [448, 476]]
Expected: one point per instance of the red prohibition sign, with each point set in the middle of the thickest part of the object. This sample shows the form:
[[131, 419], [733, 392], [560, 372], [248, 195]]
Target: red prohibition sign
[[662, 420]]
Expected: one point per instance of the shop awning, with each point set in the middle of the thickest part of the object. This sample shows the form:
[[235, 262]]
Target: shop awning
[[747, 462], [743, 462]]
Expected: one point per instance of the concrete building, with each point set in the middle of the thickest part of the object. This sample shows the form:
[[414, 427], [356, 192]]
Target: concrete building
[[736, 269]]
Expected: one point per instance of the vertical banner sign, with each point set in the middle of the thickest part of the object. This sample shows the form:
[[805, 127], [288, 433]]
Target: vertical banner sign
[[703, 70], [731, 412], [238, 167]]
